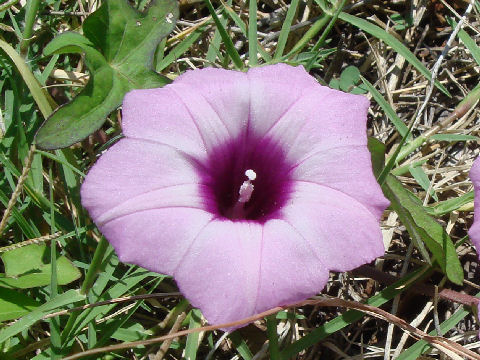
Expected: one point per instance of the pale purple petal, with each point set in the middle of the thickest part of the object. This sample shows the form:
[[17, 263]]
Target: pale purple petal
[[159, 115], [342, 232], [273, 91], [156, 239], [220, 273], [135, 175], [290, 270], [320, 120], [346, 169], [216, 96], [474, 231], [234, 270]]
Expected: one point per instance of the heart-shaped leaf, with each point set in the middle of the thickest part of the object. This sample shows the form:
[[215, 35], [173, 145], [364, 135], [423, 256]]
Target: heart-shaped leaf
[[14, 304], [29, 266], [119, 44]]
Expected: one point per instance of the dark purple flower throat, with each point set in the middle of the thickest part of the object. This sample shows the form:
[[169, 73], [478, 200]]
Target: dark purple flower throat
[[224, 173]]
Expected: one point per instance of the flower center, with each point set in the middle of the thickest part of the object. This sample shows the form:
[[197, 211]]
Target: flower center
[[259, 197]]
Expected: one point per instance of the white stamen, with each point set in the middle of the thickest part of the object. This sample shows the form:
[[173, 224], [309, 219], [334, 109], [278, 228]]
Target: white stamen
[[246, 189]]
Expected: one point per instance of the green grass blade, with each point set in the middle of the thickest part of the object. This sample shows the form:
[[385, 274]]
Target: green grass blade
[[181, 48], [273, 337], [241, 345], [285, 31], [55, 341], [325, 33], [232, 52], [391, 114], [311, 32], [61, 161], [467, 40], [392, 41], [422, 179], [191, 347], [252, 32], [67, 298], [447, 206], [30, 16], [239, 22], [44, 102], [27, 229]]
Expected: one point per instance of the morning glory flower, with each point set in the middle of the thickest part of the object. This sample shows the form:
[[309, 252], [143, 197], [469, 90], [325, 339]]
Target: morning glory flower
[[247, 188]]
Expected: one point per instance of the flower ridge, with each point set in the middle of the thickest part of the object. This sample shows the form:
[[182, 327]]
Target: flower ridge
[[247, 188]]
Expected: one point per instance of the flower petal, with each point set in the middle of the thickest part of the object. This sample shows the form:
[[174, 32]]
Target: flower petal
[[474, 231], [218, 103], [135, 175], [159, 115], [342, 232], [321, 119], [236, 269], [220, 273], [217, 96], [346, 169], [156, 239], [290, 270], [273, 91]]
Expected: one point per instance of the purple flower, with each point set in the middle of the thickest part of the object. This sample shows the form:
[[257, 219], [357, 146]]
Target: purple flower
[[247, 188], [474, 231]]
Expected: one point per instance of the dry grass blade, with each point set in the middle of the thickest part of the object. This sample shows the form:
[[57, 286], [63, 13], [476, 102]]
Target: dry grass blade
[[18, 188]]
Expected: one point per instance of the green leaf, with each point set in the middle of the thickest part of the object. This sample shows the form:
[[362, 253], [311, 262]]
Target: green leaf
[[14, 304], [349, 78], [454, 137], [69, 297], [391, 40], [422, 179], [377, 150], [119, 45], [29, 266], [423, 229], [450, 205]]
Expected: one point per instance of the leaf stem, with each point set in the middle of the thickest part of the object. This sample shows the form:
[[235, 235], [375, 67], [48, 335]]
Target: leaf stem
[[30, 16], [95, 266]]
